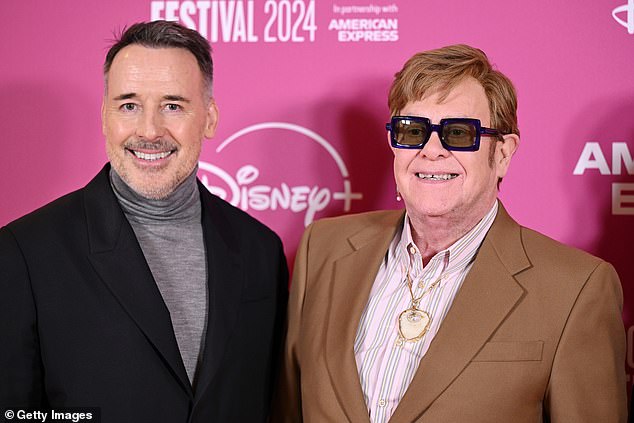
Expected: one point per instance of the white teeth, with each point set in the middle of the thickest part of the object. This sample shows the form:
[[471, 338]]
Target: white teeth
[[435, 177], [152, 156]]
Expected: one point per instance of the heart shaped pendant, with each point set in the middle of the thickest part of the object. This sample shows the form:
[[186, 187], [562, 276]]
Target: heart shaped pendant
[[413, 324]]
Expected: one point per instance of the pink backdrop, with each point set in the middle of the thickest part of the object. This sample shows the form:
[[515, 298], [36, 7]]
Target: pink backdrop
[[301, 86]]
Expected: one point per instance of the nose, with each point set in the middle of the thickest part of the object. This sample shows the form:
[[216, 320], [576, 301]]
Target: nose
[[433, 149], [150, 126]]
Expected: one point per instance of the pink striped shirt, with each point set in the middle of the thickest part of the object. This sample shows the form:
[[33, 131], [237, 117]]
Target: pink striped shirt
[[385, 364]]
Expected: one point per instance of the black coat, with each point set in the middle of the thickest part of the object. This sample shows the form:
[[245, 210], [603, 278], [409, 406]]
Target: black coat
[[83, 324]]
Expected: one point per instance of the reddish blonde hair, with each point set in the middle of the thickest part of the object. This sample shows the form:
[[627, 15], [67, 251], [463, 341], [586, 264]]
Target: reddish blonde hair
[[440, 70]]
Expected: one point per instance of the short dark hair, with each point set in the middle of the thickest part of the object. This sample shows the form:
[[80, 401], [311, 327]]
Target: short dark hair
[[165, 34]]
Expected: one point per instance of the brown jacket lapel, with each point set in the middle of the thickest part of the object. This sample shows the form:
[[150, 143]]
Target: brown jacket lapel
[[348, 299], [487, 296]]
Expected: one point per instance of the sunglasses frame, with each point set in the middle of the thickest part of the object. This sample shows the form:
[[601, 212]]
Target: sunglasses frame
[[480, 130]]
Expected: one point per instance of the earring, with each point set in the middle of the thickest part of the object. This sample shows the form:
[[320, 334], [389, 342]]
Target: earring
[[398, 196]]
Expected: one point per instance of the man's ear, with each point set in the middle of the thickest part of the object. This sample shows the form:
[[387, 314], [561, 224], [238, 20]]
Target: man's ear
[[103, 115], [389, 141], [212, 119], [504, 153]]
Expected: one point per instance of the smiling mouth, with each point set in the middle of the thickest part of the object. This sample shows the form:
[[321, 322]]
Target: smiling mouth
[[436, 176], [151, 156]]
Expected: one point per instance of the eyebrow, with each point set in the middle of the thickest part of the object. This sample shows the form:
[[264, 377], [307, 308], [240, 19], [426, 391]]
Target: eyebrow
[[127, 96], [175, 98]]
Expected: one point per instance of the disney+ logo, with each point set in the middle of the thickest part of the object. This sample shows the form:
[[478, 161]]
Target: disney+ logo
[[246, 192], [629, 11]]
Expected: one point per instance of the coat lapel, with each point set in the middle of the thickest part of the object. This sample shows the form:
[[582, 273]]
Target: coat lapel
[[118, 260], [225, 284], [352, 281], [487, 296]]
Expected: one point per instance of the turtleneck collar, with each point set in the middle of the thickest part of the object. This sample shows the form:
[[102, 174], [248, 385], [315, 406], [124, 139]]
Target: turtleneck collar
[[182, 205]]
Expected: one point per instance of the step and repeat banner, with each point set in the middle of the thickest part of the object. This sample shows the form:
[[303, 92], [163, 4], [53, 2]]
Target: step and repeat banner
[[302, 90]]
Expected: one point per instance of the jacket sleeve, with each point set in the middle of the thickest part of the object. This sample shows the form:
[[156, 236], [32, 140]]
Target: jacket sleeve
[[587, 382], [280, 319], [20, 363], [287, 406]]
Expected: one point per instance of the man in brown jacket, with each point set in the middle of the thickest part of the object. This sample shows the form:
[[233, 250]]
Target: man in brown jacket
[[449, 311]]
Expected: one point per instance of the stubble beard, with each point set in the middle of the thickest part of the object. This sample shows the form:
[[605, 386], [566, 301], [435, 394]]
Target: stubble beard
[[151, 183]]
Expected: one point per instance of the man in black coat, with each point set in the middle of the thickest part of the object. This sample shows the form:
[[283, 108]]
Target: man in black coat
[[142, 297]]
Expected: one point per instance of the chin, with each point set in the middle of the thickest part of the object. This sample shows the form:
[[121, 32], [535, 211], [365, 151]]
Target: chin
[[151, 189], [426, 210]]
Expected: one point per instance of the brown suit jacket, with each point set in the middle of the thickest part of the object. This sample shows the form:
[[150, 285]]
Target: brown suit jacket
[[534, 335]]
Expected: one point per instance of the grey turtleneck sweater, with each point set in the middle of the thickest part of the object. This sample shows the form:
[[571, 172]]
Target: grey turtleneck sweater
[[171, 237]]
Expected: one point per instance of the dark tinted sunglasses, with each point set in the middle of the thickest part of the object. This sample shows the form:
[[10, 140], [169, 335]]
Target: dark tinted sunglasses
[[456, 134]]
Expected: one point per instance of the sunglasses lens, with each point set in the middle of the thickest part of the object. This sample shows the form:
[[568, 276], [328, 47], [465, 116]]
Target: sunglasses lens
[[409, 132], [458, 134]]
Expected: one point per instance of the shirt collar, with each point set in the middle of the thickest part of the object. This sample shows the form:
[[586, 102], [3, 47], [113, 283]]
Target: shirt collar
[[455, 258], [181, 205]]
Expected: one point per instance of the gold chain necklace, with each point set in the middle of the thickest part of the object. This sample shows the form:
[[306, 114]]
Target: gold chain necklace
[[414, 323]]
